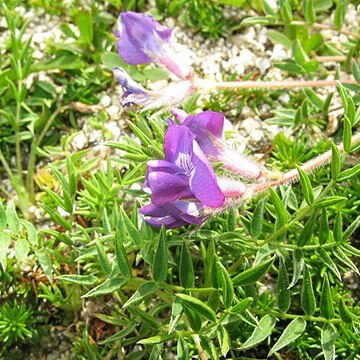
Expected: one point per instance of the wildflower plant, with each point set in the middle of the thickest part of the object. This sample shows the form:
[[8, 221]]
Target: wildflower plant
[[184, 247]]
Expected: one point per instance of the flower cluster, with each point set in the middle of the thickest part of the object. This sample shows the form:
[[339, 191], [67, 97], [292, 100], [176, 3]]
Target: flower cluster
[[140, 40], [183, 187]]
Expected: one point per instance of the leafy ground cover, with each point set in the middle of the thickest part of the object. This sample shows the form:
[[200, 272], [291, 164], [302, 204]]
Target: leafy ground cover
[[83, 276]]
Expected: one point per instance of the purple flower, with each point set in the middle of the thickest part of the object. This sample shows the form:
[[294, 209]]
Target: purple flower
[[141, 39], [208, 129], [135, 94], [172, 215], [184, 174]]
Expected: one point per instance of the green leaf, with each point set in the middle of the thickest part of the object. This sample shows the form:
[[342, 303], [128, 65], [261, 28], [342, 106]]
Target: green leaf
[[298, 265], [241, 306], [338, 226], [355, 68], [103, 259], [350, 230], [257, 219], [330, 201], [160, 263], [228, 289], [145, 317], [45, 262], [132, 231], [328, 261], [349, 173], [309, 12], [4, 245], [283, 294], [326, 301], [158, 339], [298, 53], [79, 279], [224, 340], [279, 37], [186, 269], [193, 317], [347, 133], [281, 211], [130, 327], [3, 221], [12, 218], [84, 22], [156, 74], [335, 161], [345, 314], [144, 290], [328, 337], [57, 217], [62, 62], [107, 287], [307, 293], [121, 256], [341, 256], [285, 12], [323, 228], [31, 232], [267, 323], [253, 274], [306, 186], [339, 15], [199, 306], [290, 334], [308, 230], [22, 248], [314, 98]]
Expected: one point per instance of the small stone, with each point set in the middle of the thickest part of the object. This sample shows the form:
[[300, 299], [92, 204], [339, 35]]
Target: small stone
[[105, 101], [284, 98], [113, 111], [79, 141]]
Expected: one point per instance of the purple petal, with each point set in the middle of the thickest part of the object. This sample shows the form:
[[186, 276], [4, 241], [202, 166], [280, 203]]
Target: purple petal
[[179, 114], [163, 166], [203, 181], [133, 93], [186, 210], [174, 214], [178, 140], [208, 130], [141, 37], [208, 122], [167, 187]]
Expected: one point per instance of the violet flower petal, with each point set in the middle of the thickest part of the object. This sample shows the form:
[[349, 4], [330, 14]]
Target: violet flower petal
[[133, 93], [203, 182], [178, 145], [141, 38], [167, 187]]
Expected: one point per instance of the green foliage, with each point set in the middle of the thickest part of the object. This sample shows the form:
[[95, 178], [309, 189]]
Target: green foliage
[[267, 278], [16, 324]]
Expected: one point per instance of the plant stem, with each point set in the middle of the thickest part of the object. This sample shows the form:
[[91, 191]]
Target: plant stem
[[326, 27], [294, 316], [308, 167], [17, 137], [206, 85]]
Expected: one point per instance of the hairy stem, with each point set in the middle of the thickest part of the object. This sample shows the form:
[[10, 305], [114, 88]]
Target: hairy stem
[[308, 167], [205, 85], [326, 27]]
